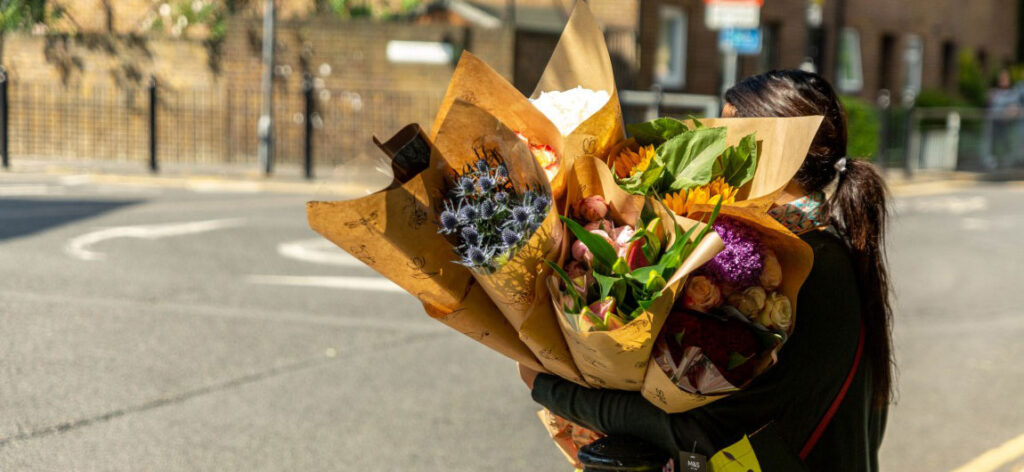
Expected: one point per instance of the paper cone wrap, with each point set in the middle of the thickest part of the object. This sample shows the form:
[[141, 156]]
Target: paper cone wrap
[[517, 287], [795, 258], [617, 359], [393, 232], [581, 59]]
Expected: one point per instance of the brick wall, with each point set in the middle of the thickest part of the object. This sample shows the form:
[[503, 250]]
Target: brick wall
[[85, 97]]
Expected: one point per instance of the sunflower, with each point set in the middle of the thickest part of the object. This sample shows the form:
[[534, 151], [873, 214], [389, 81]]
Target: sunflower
[[628, 162], [681, 202]]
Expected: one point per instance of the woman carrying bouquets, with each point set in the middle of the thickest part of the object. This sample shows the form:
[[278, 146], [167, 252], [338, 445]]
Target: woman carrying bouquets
[[825, 401]]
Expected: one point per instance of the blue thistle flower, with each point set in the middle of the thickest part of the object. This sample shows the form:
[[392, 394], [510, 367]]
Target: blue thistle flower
[[501, 172], [486, 184], [501, 198], [449, 221], [476, 256], [486, 209], [468, 214], [509, 238], [465, 187], [540, 204], [482, 166], [471, 236], [521, 215]]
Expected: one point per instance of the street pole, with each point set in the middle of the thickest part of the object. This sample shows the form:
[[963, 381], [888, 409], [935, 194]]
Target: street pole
[[266, 123], [730, 64], [4, 117]]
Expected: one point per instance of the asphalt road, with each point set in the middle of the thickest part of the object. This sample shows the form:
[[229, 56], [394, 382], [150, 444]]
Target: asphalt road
[[205, 327]]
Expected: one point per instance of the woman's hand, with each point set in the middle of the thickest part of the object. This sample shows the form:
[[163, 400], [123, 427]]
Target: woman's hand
[[528, 375]]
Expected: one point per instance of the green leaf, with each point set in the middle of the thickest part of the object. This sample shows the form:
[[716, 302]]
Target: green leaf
[[604, 253], [569, 287], [656, 131], [606, 284], [736, 360], [641, 183], [621, 267], [690, 157], [739, 162]]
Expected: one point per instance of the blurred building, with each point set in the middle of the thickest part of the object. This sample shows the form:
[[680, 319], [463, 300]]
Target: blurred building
[[667, 42]]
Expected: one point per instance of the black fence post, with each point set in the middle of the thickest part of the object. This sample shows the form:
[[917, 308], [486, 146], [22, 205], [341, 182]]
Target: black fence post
[[4, 119], [152, 125], [307, 150]]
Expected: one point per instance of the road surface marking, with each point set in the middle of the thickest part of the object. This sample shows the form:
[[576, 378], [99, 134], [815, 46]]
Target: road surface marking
[[27, 189], [317, 251], [78, 247], [223, 186], [342, 282], [997, 457]]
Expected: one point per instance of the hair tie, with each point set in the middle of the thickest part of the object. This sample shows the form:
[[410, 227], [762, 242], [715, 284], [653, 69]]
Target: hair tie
[[840, 165]]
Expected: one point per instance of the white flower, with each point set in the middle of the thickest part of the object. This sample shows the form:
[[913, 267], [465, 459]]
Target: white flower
[[570, 108]]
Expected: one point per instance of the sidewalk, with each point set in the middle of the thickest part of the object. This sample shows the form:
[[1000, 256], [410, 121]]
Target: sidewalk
[[345, 180]]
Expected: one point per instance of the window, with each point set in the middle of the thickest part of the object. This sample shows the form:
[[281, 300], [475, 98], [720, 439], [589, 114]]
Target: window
[[769, 58], [670, 56], [885, 63], [849, 75], [948, 64]]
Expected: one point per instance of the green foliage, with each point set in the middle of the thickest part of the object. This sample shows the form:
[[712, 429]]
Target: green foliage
[[937, 98], [971, 80], [379, 9], [863, 126], [24, 14], [687, 158]]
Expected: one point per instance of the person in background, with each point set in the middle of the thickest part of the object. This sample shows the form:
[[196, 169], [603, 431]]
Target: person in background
[[840, 352], [1004, 117]]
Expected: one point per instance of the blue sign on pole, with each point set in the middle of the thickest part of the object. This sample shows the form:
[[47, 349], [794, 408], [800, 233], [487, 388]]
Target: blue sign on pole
[[740, 41]]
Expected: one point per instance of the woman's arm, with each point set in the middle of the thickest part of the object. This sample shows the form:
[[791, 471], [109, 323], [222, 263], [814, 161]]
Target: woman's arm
[[794, 393]]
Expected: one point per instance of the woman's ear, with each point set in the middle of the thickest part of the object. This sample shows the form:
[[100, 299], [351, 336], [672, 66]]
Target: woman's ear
[[728, 111]]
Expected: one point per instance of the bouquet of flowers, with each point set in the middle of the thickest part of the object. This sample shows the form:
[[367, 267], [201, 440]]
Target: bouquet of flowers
[[620, 274], [734, 314], [573, 112]]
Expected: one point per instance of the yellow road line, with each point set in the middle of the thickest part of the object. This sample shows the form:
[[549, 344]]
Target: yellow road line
[[995, 458]]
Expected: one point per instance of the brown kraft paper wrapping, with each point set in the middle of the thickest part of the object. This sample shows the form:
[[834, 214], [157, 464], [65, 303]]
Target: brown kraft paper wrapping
[[393, 232], [782, 147], [796, 259], [477, 83], [617, 359], [517, 287], [581, 59]]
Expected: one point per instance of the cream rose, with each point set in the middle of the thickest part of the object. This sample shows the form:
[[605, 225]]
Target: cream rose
[[701, 294], [771, 275], [777, 313], [750, 302]]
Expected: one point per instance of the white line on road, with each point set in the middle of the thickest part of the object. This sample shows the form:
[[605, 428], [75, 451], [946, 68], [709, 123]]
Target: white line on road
[[341, 282], [78, 247], [27, 189], [317, 251]]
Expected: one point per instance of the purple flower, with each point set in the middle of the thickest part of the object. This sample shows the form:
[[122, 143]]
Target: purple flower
[[470, 235], [740, 263], [449, 221]]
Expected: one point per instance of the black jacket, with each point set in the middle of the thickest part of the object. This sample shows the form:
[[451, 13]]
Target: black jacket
[[793, 395]]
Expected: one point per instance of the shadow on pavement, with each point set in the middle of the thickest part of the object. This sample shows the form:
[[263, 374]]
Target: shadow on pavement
[[22, 217]]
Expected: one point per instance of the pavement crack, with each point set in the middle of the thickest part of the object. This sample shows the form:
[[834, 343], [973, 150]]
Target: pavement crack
[[218, 387]]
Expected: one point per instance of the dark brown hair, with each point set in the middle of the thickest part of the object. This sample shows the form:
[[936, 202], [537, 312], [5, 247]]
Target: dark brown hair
[[857, 208]]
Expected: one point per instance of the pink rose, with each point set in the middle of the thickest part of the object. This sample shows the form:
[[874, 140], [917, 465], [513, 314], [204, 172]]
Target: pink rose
[[604, 225], [592, 208], [701, 294], [622, 235]]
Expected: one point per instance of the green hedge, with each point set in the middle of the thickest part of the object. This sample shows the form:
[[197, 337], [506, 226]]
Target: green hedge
[[863, 126]]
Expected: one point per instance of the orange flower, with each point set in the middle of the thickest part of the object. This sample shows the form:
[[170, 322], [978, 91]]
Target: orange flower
[[681, 202], [628, 161]]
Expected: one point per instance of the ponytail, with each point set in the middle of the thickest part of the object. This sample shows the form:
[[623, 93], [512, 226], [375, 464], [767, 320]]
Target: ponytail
[[858, 209]]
